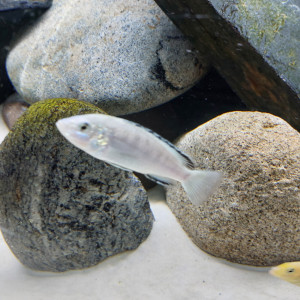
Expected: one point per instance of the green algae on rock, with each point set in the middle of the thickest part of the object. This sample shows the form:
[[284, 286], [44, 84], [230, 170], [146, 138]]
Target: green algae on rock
[[254, 45], [272, 27], [61, 209]]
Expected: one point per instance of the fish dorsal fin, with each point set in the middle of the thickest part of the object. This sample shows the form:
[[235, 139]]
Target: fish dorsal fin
[[184, 158]]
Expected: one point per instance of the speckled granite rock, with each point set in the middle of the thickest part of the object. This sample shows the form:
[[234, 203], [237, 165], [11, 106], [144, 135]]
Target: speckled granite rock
[[254, 44], [122, 56], [253, 218], [61, 209], [14, 4]]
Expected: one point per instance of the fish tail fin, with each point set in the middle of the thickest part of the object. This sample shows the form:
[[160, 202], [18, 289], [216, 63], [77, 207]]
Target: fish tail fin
[[201, 184]]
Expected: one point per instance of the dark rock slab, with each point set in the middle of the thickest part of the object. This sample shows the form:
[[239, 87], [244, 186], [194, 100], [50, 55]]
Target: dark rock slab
[[12, 23], [255, 47], [60, 208], [22, 4]]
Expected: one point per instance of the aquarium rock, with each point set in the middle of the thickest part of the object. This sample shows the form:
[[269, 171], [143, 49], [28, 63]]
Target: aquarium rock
[[253, 218], [123, 56], [12, 109], [60, 208], [254, 44], [22, 4], [12, 22]]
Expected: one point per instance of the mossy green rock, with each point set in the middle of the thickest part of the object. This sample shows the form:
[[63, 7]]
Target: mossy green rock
[[60, 208]]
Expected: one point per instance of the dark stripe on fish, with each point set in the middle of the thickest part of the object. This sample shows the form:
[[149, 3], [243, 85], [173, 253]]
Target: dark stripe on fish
[[186, 160]]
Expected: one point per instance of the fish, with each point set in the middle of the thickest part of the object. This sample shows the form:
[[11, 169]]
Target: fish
[[289, 271], [132, 147]]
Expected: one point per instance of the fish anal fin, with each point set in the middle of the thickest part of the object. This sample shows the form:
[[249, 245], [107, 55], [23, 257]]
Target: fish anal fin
[[120, 167], [160, 180]]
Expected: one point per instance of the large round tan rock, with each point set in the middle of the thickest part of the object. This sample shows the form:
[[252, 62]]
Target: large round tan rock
[[254, 217]]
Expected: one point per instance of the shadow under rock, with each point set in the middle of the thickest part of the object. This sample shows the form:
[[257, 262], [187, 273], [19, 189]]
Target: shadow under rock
[[211, 97]]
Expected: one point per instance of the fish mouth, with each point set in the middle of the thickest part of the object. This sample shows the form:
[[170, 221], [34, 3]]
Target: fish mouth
[[61, 124], [272, 271], [68, 129], [64, 127]]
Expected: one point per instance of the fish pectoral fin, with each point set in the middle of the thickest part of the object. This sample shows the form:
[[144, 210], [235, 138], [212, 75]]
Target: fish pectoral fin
[[160, 180], [120, 167]]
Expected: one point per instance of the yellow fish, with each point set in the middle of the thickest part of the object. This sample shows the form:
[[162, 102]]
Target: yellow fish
[[289, 271]]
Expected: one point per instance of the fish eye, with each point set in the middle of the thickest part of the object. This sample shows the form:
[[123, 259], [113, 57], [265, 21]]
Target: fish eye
[[84, 126], [290, 270]]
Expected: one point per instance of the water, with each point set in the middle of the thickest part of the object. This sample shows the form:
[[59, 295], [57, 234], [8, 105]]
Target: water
[[62, 210]]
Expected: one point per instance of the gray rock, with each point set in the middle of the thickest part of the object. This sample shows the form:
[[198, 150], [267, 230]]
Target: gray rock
[[14, 4], [253, 218], [272, 27], [122, 56], [254, 45], [61, 209]]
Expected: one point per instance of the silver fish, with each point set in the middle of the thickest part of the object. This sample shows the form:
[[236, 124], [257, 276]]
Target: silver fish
[[130, 146]]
